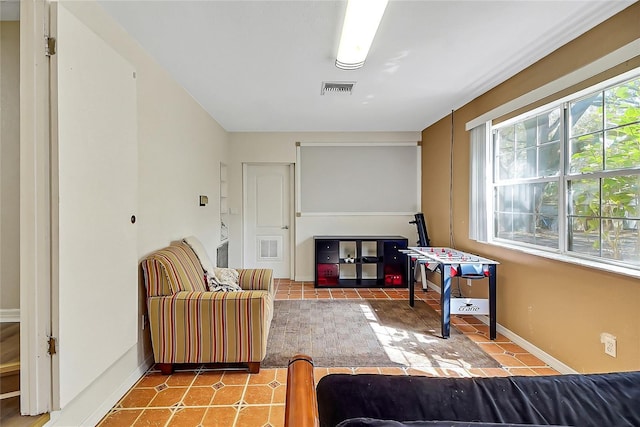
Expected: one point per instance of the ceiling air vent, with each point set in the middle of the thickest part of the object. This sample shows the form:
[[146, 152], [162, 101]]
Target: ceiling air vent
[[337, 88]]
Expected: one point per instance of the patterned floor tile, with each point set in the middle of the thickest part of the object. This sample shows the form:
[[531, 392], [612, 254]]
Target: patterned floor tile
[[522, 371], [279, 395], [392, 371], [507, 360], [235, 378], [187, 417], [208, 378], [228, 395], [276, 416], [180, 379], [121, 418], [199, 396], [152, 379], [168, 397], [253, 416], [138, 398], [258, 394], [224, 416], [153, 418], [265, 376]]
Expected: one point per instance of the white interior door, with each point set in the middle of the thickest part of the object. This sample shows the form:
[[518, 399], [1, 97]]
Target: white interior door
[[267, 218], [97, 281]]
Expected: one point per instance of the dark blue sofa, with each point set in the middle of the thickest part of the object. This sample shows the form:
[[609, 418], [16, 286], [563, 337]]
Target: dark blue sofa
[[597, 400]]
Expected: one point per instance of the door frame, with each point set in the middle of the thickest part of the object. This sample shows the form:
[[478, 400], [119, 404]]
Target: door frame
[[292, 204], [36, 263]]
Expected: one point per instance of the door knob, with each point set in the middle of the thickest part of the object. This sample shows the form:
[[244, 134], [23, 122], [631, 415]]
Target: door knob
[[285, 227]]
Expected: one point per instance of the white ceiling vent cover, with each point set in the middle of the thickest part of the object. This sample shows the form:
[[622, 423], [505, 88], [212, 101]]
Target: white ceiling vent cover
[[337, 88]]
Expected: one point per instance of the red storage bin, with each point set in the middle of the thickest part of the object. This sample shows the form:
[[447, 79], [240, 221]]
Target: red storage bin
[[328, 274], [393, 279]]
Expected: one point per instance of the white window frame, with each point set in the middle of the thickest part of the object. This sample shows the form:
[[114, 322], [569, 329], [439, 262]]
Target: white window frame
[[561, 254]]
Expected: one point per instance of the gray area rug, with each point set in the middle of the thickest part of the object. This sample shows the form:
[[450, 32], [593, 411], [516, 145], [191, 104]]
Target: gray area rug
[[367, 333]]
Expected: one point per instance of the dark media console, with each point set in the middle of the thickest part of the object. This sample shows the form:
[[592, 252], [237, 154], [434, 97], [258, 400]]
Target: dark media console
[[360, 261]]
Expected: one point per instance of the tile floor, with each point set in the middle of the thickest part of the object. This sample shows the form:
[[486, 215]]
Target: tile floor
[[208, 397]]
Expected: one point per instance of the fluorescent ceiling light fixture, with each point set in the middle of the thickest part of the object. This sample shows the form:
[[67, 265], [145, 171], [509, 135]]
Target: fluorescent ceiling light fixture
[[360, 25]]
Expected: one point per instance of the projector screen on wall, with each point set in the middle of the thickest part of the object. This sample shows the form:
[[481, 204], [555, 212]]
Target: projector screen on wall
[[358, 178]]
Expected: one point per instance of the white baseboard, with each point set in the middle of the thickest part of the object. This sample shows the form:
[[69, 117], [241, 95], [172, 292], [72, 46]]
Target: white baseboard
[[110, 402], [540, 354], [305, 279], [9, 315], [88, 408], [517, 339]]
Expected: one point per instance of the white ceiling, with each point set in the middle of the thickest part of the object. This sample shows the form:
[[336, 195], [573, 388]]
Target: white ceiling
[[259, 65]]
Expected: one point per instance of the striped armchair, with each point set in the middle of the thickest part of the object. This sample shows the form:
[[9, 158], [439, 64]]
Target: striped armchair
[[189, 324]]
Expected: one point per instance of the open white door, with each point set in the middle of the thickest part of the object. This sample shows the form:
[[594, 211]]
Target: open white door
[[95, 186], [78, 196], [268, 216]]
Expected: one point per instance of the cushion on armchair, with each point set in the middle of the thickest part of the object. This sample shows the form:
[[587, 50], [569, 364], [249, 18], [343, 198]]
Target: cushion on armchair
[[173, 269], [256, 279], [200, 252]]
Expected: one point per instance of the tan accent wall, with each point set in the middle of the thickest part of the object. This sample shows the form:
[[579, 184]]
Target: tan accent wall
[[9, 165], [559, 307]]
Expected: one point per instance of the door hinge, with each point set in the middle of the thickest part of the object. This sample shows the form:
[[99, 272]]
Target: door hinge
[[52, 346], [49, 46]]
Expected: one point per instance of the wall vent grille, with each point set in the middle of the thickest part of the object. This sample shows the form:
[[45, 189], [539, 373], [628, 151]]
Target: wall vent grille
[[337, 88], [269, 249]]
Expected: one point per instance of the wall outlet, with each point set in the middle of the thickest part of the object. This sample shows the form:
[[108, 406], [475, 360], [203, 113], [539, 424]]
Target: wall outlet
[[609, 342]]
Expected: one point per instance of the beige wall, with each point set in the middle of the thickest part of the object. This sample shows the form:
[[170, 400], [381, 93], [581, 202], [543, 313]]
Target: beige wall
[[559, 307], [9, 166], [280, 147], [180, 147]]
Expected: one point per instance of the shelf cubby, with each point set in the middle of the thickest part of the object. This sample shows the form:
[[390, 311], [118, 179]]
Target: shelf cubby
[[360, 261]]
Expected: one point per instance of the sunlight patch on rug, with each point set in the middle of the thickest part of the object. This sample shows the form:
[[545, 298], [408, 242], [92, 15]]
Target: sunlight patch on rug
[[367, 333]]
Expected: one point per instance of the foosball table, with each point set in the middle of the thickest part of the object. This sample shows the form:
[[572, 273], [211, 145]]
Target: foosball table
[[454, 263]]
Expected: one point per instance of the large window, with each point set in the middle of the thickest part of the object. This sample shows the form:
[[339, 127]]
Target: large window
[[567, 179]]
